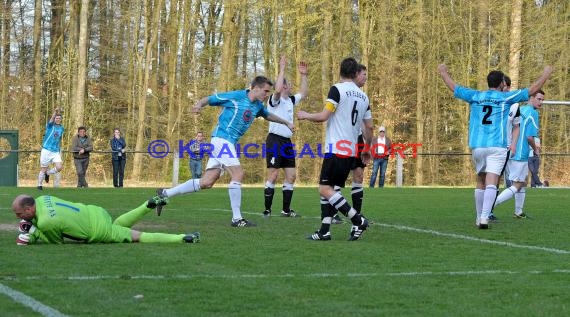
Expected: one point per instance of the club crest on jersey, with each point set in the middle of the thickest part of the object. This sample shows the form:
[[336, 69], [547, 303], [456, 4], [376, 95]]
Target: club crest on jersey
[[247, 116]]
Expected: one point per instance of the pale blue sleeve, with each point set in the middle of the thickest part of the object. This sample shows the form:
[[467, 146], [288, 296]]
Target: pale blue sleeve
[[263, 112], [222, 98], [464, 93], [519, 95]]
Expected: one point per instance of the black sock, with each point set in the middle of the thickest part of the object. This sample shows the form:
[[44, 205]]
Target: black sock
[[269, 192], [287, 196]]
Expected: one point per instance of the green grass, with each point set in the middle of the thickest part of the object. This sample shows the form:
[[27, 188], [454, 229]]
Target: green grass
[[421, 257]]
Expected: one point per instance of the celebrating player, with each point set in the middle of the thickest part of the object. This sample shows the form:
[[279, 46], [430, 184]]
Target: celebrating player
[[489, 113]]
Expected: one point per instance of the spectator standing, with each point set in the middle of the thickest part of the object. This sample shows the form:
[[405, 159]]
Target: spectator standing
[[381, 155], [81, 146], [534, 164], [119, 157], [195, 162]]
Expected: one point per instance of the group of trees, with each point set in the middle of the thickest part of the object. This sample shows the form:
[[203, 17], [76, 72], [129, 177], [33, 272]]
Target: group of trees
[[141, 65]]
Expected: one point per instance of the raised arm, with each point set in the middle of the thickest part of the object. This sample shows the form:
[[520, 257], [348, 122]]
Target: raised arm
[[55, 113], [280, 78], [446, 77], [304, 70], [537, 85]]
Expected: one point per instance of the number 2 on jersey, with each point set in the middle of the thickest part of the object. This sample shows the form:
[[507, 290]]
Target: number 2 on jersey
[[487, 110]]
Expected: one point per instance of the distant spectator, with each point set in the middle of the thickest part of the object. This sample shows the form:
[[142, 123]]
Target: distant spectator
[[534, 164], [119, 157], [81, 145], [381, 155], [195, 162]]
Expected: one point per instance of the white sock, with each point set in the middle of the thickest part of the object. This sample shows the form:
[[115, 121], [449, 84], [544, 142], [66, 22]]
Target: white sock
[[57, 179], [287, 186], [479, 196], [269, 184], [235, 199], [488, 201], [190, 186], [506, 195], [519, 201], [41, 177]]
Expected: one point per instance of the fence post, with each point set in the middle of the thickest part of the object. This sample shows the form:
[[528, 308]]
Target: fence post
[[399, 170], [175, 169]]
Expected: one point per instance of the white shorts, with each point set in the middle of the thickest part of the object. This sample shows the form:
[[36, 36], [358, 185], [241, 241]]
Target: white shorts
[[223, 153], [48, 156], [489, 159], [518, 170]]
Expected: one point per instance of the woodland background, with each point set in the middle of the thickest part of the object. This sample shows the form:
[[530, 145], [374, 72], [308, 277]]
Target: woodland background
[[141, 65]]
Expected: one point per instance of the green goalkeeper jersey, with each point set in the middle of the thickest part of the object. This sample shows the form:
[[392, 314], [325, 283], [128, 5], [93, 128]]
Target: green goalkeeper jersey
[[57, 219]]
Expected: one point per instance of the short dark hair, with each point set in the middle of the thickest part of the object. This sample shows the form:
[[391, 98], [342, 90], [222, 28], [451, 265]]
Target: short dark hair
[[27, 201], [349, 68], [260, 81], [81, 128], [508, 80], [540, 91], [361, 67], [495, 78]]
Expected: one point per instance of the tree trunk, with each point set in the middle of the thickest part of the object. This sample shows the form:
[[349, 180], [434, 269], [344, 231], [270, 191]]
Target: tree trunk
[[6, 18], [420, 92], [151, 31], [515, 42], [37, 90], [83, 44]]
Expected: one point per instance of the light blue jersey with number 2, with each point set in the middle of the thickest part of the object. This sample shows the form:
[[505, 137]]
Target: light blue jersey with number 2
[[489, 113]]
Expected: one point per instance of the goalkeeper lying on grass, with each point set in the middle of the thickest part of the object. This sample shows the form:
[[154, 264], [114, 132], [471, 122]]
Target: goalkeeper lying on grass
[[50, 219]]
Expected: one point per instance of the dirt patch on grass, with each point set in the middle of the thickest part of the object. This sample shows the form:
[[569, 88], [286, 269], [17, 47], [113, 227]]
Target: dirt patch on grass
[[7, 227]]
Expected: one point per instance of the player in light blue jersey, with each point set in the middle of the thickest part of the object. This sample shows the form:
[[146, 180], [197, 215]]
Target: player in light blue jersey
[[239, 109], [50, 150], [518, 164], [489, 114]]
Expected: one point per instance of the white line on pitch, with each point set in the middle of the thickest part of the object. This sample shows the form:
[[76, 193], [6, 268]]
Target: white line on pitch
[[450, 235], [464, 237], [26, 300], [278, 276]]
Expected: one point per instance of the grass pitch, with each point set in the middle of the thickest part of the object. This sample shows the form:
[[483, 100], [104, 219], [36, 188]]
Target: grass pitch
[[422, 256]]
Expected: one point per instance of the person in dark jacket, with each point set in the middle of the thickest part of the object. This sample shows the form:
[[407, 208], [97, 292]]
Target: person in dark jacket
[[81, 145], [119, 157]]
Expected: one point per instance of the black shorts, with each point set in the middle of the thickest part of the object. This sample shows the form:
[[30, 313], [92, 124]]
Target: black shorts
[[279, 151], [358, 161], [335, 170]]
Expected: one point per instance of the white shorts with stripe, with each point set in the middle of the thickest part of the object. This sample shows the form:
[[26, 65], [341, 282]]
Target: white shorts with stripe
[[223, 153], [489, 159], [48, 156], [518, 170]]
